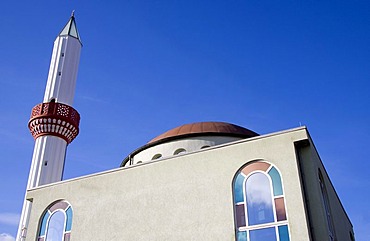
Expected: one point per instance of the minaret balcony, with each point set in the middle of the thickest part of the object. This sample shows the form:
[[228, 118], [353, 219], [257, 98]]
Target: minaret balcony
[[54, 119]]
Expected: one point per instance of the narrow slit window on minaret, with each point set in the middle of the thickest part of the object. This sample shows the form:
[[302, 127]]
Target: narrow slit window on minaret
[[62, 54], [60, 73], [45, 163]]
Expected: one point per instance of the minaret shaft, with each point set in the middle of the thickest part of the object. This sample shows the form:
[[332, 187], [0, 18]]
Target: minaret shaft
[[47, 161], [63, 70], [54, 123]]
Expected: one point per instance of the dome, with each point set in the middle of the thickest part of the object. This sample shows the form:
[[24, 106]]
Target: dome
[[203, 129], [188, 138]]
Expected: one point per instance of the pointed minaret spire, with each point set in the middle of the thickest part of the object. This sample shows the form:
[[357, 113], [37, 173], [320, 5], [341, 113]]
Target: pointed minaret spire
[[70, 28], [54, 123]]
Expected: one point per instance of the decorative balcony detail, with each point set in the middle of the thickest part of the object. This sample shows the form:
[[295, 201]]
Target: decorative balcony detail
[[54, 119]]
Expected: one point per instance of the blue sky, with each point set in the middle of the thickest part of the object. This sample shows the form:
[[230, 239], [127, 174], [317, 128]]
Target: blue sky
[[149, 66]]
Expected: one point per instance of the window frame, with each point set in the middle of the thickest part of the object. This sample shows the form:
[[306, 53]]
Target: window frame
[[59, 206], [242, 228]]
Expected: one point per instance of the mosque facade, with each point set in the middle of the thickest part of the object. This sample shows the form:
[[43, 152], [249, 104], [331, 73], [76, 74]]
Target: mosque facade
[[200, 181]]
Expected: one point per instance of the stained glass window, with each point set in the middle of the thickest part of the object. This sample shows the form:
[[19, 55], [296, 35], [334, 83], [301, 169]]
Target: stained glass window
[[55, 230], [259, 199], [260, 212], [242, 236], [56, 222], [263, 234]]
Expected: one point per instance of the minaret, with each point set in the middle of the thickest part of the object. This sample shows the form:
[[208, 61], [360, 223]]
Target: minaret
[[54, 123]]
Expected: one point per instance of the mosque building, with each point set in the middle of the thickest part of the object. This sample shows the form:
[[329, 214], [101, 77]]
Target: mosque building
[[200, 181]]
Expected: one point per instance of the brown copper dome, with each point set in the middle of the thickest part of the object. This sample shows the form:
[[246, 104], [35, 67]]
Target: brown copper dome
[[205, 128], [196, 129]]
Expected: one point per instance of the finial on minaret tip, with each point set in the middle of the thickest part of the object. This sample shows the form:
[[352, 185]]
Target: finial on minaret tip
[[73, 13]]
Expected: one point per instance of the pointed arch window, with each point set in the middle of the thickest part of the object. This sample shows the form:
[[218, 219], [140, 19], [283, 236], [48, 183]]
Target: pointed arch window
[[260, 212], [56, 223]]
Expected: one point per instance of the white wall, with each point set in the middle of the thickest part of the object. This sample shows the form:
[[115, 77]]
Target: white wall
[[187, 197]]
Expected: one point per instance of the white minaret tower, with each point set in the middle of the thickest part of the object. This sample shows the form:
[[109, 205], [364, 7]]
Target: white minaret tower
[[54, 123]]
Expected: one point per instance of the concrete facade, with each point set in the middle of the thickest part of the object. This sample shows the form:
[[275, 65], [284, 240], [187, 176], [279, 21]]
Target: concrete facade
[[190, 196]]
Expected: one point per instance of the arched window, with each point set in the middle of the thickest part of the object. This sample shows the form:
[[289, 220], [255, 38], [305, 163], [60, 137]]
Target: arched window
[[156, 156], [56, 223], [260, 212], [179, 151]]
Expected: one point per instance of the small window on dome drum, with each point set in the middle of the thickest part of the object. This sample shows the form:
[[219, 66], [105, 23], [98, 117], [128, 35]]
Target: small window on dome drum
[[156, 156], [179, 151], [203, 147]]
